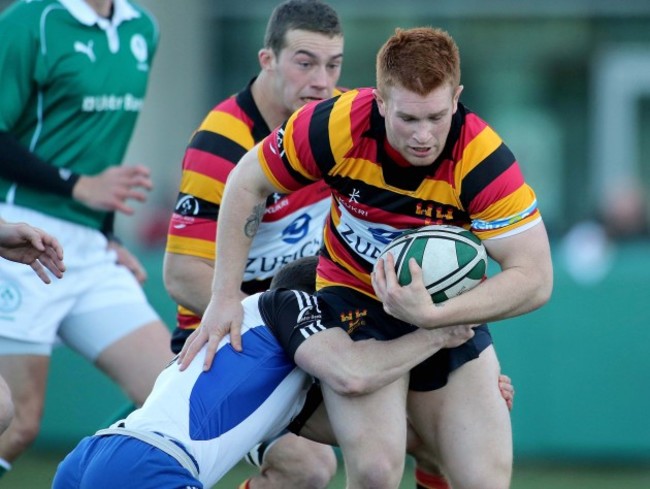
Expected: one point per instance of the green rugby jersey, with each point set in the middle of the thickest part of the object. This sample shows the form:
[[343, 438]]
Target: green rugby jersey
[[71, 89]]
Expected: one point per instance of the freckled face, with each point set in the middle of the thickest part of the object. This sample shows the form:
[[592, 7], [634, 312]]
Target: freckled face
[[417, 126], [307, 68]]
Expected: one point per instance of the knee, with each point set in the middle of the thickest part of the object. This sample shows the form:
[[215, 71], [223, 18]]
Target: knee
[[380, 471], [299, 463], [22, 432], [6, 412]]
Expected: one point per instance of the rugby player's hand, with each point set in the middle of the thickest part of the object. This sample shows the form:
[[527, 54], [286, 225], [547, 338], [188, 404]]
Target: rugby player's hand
[[507, 390], [111, 189], [128, 260], [32, 246], [222, 316], [409, 303]]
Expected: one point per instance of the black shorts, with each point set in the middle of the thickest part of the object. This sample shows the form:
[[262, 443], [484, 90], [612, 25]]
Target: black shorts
[[363, 318]]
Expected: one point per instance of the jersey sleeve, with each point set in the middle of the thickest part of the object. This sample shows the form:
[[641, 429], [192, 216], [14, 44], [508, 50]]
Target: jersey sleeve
[[492, 186], [216, 146], [293, 316], [18, 58]]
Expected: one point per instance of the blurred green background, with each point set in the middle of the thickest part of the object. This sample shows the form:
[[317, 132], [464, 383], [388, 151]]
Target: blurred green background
[[567, 86]]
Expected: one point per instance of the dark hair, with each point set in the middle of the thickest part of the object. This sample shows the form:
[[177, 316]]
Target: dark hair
[[419, 60], [300, 274], [307, 15]]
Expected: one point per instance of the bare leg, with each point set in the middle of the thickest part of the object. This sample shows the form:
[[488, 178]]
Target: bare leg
[[26, 376], [135, 360], [465, 426]]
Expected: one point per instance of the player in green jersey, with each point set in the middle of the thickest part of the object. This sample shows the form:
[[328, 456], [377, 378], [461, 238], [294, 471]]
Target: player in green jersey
[[74, 77]]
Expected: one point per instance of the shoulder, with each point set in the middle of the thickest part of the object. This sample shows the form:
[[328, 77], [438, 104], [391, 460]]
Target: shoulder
[[27, 15]]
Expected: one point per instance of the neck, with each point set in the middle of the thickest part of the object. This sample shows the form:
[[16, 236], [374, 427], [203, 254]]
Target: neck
[[103, 8], [273, 112]]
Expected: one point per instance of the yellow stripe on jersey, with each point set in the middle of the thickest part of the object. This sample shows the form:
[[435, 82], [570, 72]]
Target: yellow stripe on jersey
[[190, 246], [289, 147], [340, 123], [482, 146], [229, 126], [201, 186]]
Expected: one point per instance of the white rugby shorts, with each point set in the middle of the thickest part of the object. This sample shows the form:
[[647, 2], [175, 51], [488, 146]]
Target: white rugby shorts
[[95, 304]]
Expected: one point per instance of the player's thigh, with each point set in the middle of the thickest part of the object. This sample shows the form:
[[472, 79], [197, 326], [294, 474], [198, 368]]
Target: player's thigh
[[466, 425], [370, 429], [144, 350]]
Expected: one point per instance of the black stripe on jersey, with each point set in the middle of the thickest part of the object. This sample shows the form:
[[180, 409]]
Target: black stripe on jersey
[[217, 144], [245, 100], [484, 173], [385, 200], [189, 205], [319, 139], [297, 176]]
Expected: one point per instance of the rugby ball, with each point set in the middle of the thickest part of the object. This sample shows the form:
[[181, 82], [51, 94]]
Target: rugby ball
[[453, 259]]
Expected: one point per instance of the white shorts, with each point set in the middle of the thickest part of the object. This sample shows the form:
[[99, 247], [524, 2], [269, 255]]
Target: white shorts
[[96, 303]]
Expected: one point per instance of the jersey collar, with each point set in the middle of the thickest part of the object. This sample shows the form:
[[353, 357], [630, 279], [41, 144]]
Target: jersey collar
[[80, 10]]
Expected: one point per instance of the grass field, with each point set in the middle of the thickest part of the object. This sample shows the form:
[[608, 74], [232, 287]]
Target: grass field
[[35, 470]]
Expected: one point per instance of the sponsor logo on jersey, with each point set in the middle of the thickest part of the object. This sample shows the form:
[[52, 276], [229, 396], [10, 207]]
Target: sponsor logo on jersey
[[140, 51], [278, 148], [297, 230], [188, 205], [354, 196], [86, 49], [10, 297], [309, 317], [263, 266], [431, 211], [111, 103]]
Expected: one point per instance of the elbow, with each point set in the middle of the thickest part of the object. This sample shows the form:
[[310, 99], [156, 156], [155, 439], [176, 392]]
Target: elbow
[[350, 384], [543, 291], [173, 285]]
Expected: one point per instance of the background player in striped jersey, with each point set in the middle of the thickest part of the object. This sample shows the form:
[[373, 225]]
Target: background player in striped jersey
[[73, 81], [300, 62], [400, 156], [215, 417]]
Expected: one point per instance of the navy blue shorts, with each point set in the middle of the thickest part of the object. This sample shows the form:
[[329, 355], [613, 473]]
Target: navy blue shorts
[[364, 317]]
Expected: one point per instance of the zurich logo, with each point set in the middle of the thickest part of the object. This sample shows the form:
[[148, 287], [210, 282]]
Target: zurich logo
[[384, 236], [297, 230]]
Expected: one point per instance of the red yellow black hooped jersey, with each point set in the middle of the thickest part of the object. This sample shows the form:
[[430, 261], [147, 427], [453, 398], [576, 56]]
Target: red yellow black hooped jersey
[[475, 183], [292, 226]]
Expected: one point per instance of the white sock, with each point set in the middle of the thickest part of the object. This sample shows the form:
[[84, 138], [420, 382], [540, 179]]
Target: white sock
[[4, 464]]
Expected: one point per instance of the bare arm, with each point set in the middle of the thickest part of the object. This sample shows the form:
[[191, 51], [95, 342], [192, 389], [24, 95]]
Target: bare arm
[[240, 214], [354, 368], [523, 285], [188, 280]]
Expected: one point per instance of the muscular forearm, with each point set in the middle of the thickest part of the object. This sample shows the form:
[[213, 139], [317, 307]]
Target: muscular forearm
[[242, 210], [356, 368]]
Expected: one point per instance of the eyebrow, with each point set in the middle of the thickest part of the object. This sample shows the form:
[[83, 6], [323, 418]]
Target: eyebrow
[[400, 113], [314, 56]]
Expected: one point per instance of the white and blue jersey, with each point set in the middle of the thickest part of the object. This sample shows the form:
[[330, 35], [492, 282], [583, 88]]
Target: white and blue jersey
[[215, 417]]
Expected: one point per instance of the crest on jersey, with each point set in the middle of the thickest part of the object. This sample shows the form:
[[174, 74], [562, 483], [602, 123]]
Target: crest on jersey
[[140, 51]]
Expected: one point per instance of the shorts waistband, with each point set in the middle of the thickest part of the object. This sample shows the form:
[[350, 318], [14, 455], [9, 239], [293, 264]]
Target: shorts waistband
[[168, 445]]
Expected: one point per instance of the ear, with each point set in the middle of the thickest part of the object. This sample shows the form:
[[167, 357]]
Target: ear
[[266, 58], [458, 91], [381, 105]]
